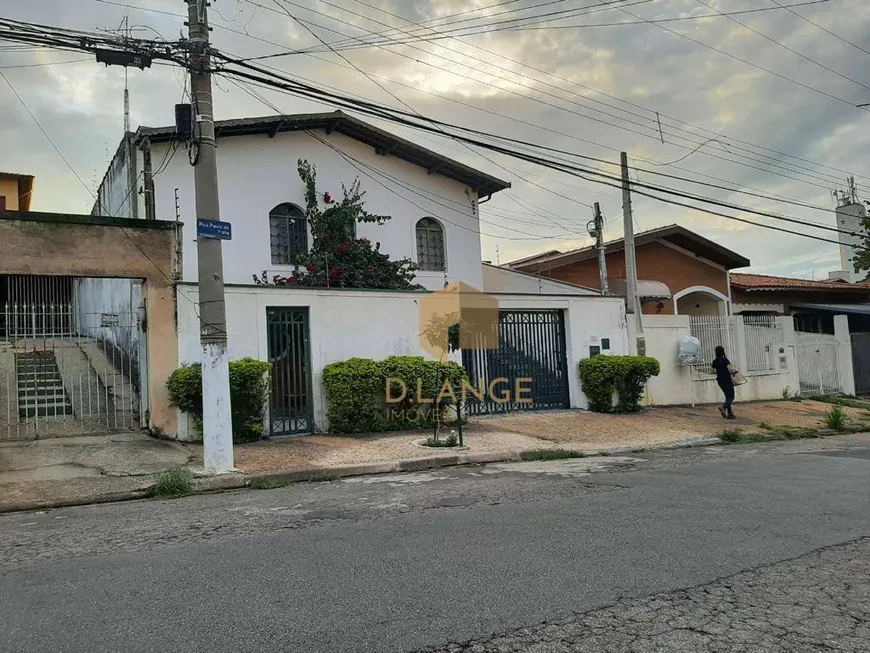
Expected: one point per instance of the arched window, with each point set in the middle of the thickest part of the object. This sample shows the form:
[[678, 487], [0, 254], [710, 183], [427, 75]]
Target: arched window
[[430, 245], [288, 233]]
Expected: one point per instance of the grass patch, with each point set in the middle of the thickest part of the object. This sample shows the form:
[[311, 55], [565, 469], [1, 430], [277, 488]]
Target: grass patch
[[173, 484], [835, 418], [552, 454], [731, 436], [851, 402], [322, 478], [262, 483], [450, 441]]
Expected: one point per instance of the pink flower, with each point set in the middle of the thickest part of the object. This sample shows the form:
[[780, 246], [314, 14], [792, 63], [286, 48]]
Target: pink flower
[[311, 267], [333, 273]]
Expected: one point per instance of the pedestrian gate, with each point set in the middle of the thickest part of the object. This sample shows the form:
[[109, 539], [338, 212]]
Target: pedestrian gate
[[818, 367], [531, 346], [290, 356]]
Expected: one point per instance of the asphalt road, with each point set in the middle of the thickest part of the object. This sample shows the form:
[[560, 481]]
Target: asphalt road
[[430, 561]]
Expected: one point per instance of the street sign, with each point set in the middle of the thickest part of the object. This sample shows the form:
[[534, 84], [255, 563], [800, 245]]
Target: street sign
[[214, 229]]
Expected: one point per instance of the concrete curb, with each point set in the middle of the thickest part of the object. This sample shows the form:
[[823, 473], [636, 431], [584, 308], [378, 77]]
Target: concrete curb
[[437, 462], [238, 480], [48, 504]]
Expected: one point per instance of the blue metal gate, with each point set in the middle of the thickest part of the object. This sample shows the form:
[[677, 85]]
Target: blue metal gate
[[290, 356], [531, 346]]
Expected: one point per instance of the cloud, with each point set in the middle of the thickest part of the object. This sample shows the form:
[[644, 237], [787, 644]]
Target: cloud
[[573, 89]]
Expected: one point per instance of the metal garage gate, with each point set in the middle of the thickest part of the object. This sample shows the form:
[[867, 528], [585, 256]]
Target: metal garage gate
[[531, 346], [861, 362]]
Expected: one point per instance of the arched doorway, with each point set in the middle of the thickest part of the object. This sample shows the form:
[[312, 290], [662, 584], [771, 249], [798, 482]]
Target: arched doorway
[[700, 300]]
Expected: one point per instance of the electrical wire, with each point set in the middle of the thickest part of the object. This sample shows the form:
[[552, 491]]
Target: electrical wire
[[601, 176], [785, 47], [652, 131], [790, 9]]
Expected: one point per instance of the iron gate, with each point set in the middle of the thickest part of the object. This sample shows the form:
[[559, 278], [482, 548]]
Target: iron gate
[[66, 371], [861, 362], [818, 367], [531, 346], [290, 355]]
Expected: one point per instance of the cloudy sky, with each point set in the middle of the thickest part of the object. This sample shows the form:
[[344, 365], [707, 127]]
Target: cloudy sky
[[781, 122]]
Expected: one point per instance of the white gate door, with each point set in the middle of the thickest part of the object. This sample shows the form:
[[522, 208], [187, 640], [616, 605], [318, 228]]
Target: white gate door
[[818, 368]]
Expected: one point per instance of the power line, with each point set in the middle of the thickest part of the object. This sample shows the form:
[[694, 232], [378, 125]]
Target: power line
[[790, 9], [784, 46], [652, 133], [560, 151], [567, 168], [361, 165], [529, 27], [744, 61]]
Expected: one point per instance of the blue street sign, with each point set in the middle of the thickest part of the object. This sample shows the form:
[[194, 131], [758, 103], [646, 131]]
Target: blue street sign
[[214, 229]]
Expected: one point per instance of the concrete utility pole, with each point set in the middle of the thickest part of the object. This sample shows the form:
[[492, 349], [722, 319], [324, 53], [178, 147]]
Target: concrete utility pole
[[632, 306], [597, 231], [216, 417]]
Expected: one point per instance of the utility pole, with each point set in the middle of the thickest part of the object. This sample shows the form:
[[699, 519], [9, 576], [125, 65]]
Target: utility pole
[[632, 305], [216, 416], [596, 230]]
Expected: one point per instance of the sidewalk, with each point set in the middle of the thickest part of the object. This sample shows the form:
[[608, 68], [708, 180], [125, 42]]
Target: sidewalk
[[510, 437], [80, 470], [70, 471]]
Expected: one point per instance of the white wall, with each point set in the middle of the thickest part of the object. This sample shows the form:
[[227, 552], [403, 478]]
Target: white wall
[[118, 194], [377, 324], [498, 279], [256, 173], [95, 297], [678, 384]]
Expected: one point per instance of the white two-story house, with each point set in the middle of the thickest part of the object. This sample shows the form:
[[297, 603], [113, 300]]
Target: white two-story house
[[434, 204]]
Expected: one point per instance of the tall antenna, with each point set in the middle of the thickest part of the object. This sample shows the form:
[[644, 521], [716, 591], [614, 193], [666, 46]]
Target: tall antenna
[[853, 190], [126, 87]]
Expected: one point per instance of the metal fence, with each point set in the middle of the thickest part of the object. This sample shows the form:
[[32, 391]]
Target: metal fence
[[763, 337], [67, 380], [712, 331], [818, 365]]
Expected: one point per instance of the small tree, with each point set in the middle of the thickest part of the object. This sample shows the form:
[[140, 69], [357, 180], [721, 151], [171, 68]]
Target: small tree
[[861, 256], [337, 257]]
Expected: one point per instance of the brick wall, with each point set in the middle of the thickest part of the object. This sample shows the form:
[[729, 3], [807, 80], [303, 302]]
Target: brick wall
[[655, 262]]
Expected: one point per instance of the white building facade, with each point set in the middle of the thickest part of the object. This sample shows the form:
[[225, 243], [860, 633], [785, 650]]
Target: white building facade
[[433, 205]]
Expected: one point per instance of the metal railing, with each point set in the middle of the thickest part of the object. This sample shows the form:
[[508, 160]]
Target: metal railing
[[763, 337], [712, 331], [818, 364], [63, 372]]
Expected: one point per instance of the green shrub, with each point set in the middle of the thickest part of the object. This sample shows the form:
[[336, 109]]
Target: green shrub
[[249, 391], [731, 436], [356, 391], [602, 376], [173, 484], [836, 418]]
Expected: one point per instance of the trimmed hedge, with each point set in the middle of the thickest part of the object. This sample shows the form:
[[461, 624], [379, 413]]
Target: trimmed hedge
[[356, 391], [625, 375], [249, 391]]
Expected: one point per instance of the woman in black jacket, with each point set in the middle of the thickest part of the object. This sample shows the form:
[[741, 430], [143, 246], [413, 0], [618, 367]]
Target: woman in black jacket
[[723, 378]]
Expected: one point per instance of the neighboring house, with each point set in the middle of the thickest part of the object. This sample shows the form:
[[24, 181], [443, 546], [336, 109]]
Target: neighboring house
[[16, 191], [679, 272], [547, 326], [812, 303]]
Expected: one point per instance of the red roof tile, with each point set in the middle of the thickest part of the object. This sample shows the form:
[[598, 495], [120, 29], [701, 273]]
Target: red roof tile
[[765, 282]]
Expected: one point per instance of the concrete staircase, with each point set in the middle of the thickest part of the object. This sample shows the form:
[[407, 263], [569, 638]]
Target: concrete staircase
[[40, 387]]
